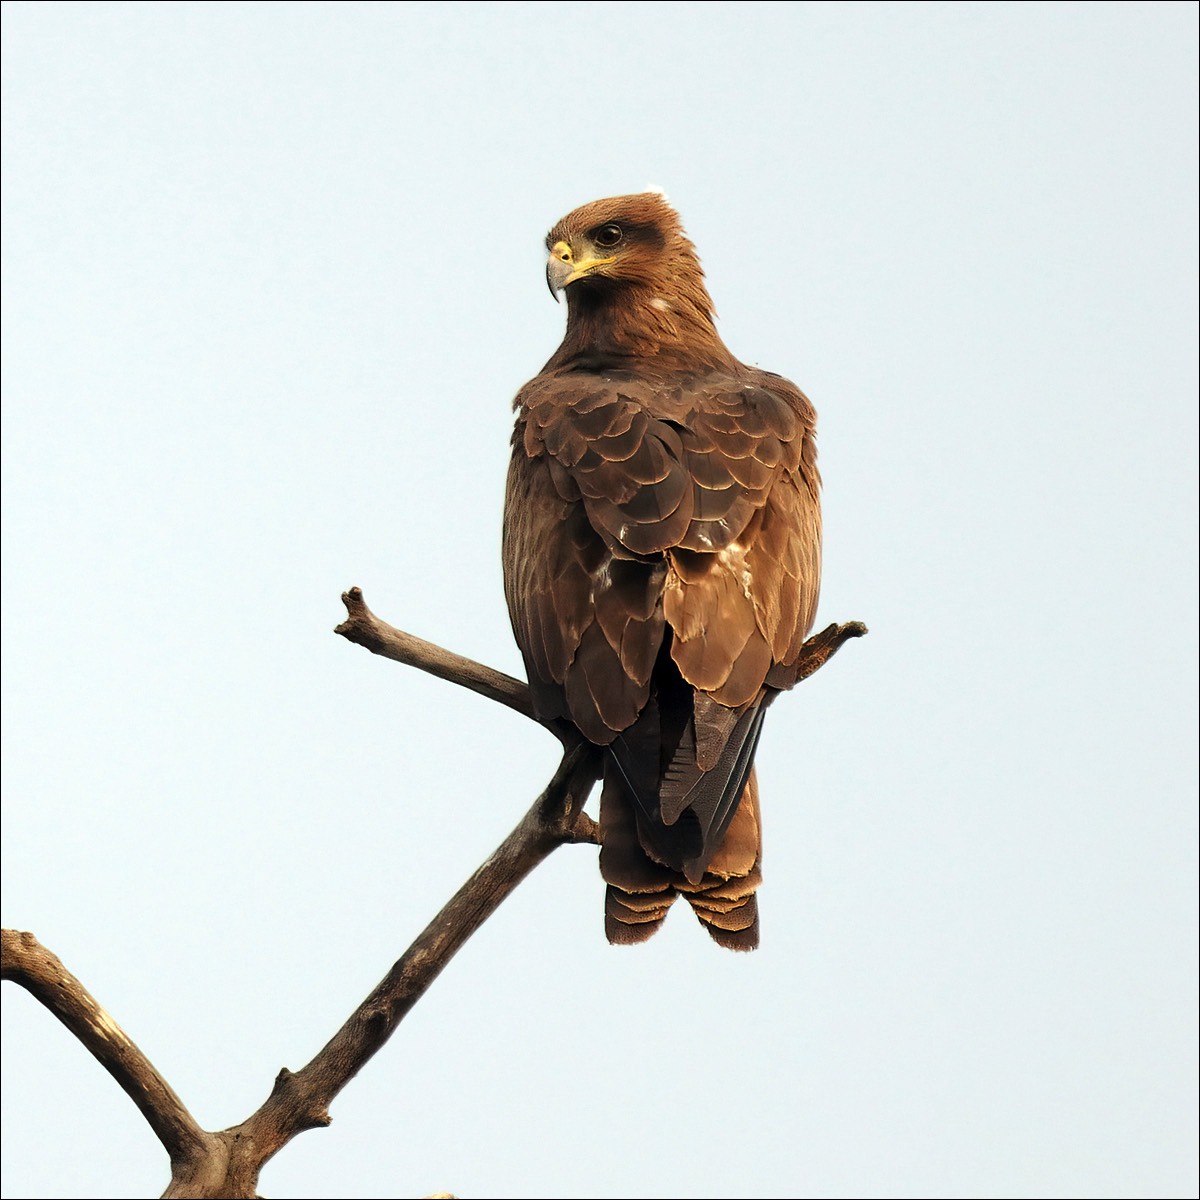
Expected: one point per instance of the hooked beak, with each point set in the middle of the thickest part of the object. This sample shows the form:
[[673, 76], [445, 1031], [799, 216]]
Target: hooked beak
[[564, 269], [558, 267]]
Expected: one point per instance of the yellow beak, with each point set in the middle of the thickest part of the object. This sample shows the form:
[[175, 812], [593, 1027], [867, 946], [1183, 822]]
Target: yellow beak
[[564, 269]]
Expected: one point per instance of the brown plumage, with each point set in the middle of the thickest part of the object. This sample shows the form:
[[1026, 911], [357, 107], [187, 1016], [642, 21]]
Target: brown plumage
[[662, 544]]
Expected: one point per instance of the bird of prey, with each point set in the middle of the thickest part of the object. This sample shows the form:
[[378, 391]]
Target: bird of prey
[[662, 547]]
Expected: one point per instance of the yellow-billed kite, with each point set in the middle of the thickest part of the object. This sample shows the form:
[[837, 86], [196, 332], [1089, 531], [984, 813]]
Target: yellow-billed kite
[[662, 555]]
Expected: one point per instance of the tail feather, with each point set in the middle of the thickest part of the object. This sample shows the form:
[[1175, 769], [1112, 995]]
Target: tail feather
[[725, 902], [641, 889], [633, 917], [744, 938]]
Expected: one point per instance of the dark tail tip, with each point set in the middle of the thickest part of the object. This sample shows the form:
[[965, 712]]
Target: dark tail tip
[[632, 917], [732, 925]]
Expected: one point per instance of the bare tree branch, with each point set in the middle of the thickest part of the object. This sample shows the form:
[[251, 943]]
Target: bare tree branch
[[814, 654], [300, 1101], [25, 961], [228, 1163], [364, 628]]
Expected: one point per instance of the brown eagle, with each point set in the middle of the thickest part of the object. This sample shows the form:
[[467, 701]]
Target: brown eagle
[[662, 557]]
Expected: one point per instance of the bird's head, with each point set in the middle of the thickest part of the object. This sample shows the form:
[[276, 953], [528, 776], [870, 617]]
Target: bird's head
[[634, 286], [625, 240]]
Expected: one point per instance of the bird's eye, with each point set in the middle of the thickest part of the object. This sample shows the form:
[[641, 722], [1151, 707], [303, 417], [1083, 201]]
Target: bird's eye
[[608, 236]]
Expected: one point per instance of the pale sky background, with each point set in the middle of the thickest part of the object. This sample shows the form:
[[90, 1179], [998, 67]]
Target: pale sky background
[[273, 273]]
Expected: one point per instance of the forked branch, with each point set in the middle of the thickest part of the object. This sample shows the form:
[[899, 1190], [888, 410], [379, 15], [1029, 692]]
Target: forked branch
[[228, 1163]]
